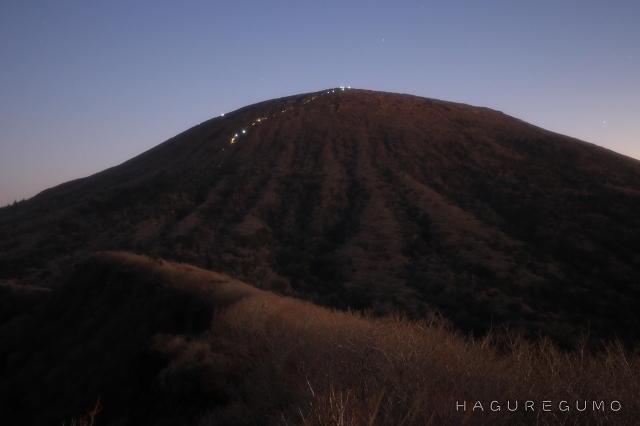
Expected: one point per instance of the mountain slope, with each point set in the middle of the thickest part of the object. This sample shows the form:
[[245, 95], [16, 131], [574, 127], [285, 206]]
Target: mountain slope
[[369, 200]]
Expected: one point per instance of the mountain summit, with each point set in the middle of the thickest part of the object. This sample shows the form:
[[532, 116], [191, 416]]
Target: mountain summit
[[368, 200]]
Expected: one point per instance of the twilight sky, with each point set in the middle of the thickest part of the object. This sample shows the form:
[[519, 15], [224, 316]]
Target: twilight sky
[[86, 85]]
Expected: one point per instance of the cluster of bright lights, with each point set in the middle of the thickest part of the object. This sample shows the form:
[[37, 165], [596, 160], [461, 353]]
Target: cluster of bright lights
[[261, 119]]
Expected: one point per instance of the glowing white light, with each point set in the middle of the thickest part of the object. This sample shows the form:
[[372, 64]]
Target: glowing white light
[[235, 136], [244, 131]]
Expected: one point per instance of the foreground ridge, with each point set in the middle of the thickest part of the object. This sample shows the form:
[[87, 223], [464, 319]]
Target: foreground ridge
[[155, 342]]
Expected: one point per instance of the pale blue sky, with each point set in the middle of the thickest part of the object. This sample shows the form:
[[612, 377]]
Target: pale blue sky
[[86, 85]]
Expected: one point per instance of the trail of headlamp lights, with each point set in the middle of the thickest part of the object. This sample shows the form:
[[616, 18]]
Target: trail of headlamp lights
[[259, 120]]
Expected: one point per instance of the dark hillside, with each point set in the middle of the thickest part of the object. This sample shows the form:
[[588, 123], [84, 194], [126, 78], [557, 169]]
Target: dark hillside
[[369, 200], [97, 336], [159, 343]]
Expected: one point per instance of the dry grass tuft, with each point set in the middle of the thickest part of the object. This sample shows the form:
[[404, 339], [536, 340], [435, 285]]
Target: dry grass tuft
[[89, 418], [313, 366]]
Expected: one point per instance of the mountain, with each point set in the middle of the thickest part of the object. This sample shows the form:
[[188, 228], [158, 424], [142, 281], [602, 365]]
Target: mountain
[[367, 200]]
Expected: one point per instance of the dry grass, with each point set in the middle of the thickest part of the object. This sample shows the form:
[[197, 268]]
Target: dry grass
[[252, 357], [89, 418], [317, 367]]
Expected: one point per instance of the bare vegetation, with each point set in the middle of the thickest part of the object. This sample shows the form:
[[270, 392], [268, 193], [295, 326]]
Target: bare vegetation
[[164, 343], [87, 419], [317, 367]]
